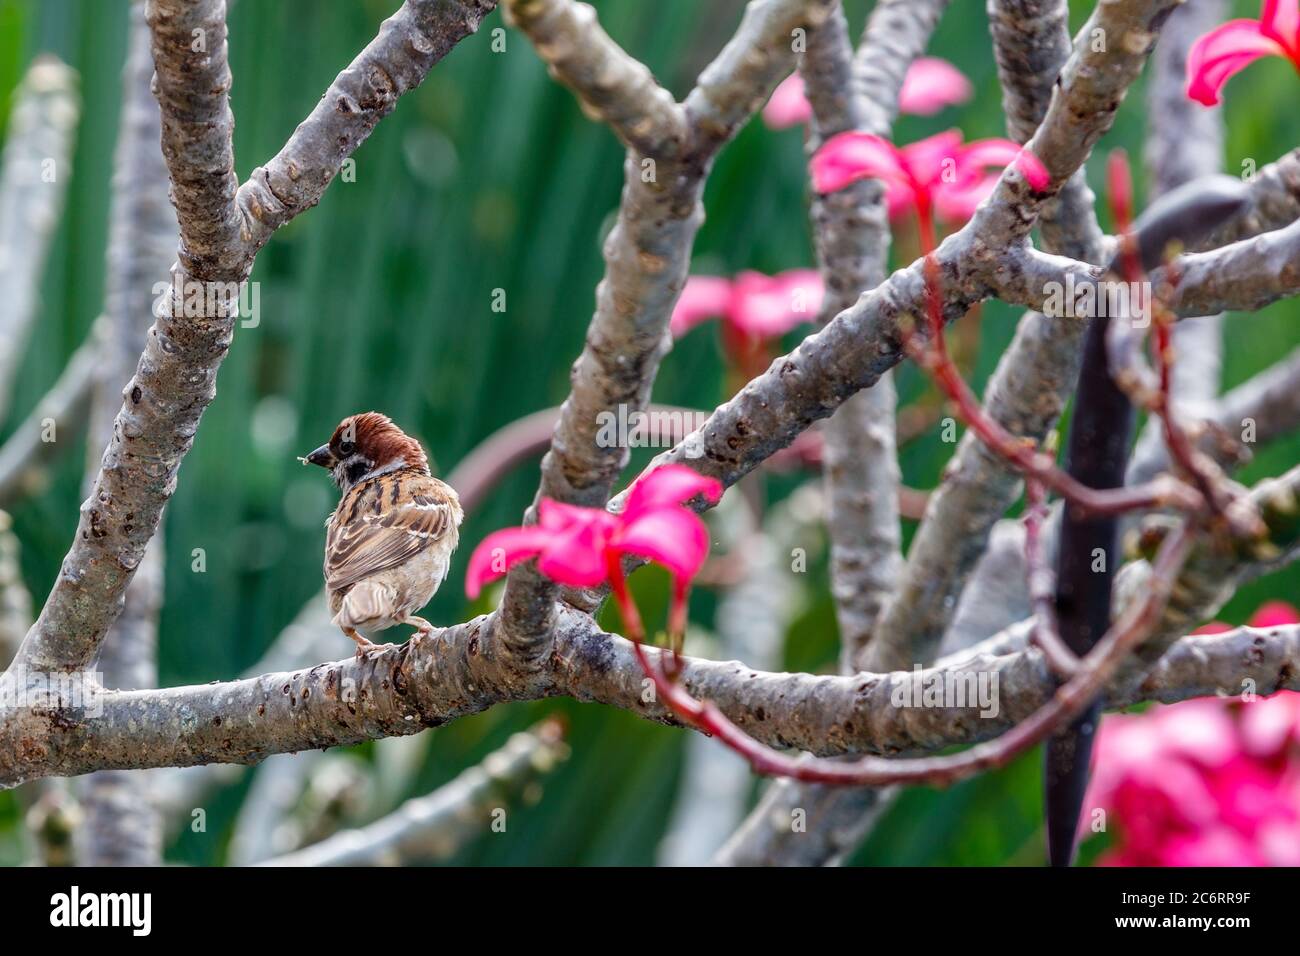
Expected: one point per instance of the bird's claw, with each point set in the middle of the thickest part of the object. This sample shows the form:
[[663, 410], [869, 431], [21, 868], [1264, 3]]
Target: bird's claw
[[369, 647]]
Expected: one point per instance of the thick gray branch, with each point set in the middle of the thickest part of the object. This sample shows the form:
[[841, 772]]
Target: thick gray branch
[[612, 87], [459, 671], [176, 376], [122, 825], [647, 257]]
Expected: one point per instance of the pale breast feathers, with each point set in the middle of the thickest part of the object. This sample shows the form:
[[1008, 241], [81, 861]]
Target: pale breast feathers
[[385, 522]]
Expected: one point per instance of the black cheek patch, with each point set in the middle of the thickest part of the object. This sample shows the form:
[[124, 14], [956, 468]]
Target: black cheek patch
[[355, 470]]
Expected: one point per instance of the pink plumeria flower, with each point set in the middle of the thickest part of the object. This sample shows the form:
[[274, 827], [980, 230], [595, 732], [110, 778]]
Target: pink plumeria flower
[[756, 305], [577, 546], [788, 105], [930, 85], [1207, 782], [939, 173], [1268, 614], [1274, 614], [1230, 48]]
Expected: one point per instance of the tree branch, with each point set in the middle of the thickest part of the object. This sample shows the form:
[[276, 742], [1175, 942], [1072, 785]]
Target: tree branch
[[1033, 378], [433, 827], [409, 44], [404, 690], [647, 256], [60, 412], [34, 173], [613, 88], [122, 825], [851, 230], [175, 380]]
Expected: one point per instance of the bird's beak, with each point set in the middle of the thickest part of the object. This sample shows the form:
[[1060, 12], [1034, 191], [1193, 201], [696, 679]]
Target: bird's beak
[[321, 456]]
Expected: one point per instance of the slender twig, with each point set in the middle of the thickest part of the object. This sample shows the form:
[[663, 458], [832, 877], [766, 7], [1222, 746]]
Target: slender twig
[[1072, 698], [750, 624], [15, 599], [433, 827], [34, 174], [1046, 634], [1261, 409], [48, 429]]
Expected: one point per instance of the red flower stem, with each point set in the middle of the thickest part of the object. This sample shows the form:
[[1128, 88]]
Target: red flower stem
[[1014, 450], [1042, 587], [1071, 698], [1205, 473], [626, 606], [1154, 392], [1023, 456]]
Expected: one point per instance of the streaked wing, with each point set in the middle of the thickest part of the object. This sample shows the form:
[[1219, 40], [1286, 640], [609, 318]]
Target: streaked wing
[[388, 523]]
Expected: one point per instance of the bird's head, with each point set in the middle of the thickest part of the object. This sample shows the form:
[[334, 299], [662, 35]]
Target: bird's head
[[366, 445]]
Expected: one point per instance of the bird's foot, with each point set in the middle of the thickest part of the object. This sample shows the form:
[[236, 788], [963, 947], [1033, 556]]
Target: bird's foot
[[422, 627], [364, 645], [365, 648]]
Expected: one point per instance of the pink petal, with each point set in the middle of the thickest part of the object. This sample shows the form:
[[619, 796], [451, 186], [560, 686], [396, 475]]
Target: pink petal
[[1200, 731], [1214, 627], [1267, 725], [957, 202], [1274, 614], [899, 199], [1032, 168], [669, 485], [1222, 53], [770, 306], [1119, 187], [930, 85], [499, 552], [934, 159], [1279, 20], [1279, 841], [673, 537], [703, 297], [1214, 846], [1247, 791], [981, 153], [559, 516], [975, 157], [788, 105], [848, 157], [576, 556]]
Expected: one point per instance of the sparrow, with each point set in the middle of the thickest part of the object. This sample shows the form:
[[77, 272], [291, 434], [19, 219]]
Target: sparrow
[[389, 543]]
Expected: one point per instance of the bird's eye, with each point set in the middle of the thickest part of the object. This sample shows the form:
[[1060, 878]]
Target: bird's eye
[[347, 447]]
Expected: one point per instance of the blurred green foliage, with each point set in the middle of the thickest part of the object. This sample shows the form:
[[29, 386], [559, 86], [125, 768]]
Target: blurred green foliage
[[488, 177]]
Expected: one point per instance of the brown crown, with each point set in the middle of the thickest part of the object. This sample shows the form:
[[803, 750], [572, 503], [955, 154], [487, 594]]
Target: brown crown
[[376, 437]]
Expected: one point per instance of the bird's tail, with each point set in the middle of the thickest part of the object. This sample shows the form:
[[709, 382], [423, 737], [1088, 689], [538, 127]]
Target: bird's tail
[[369, 605]]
